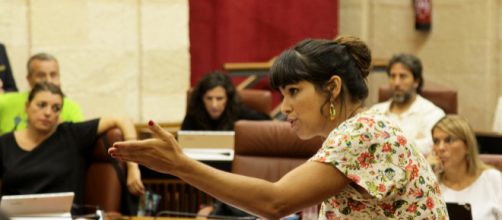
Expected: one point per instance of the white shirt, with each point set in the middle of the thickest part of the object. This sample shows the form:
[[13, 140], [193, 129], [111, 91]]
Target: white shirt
[[416, 122], [484, 195]]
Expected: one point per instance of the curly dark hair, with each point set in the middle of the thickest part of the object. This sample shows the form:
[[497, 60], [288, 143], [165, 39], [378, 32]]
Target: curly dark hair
[[197, 110]]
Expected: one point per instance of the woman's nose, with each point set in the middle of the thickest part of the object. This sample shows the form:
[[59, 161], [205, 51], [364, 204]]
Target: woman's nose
[[285, 107], [441, 146]]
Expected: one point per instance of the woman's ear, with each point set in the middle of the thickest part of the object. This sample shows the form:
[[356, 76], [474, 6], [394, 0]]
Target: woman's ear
[[335, 86]]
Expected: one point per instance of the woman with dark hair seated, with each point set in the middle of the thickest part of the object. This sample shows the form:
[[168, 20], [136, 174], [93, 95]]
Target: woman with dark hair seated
[[49, 156], [215, 105]]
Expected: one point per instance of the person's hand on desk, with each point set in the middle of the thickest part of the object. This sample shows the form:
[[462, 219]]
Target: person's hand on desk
[[162, 154]]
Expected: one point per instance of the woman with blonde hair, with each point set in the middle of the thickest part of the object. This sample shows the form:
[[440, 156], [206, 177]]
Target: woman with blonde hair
[[463, 177]]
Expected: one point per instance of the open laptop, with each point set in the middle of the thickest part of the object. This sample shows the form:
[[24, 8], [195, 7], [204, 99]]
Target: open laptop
[[208, 145], [53, 205]]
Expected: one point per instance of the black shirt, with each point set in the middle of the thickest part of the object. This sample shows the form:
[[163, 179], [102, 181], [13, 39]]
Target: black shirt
[[58, 164]]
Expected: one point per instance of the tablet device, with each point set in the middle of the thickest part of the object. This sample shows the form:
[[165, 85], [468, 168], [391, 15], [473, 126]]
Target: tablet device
[[49, 204]]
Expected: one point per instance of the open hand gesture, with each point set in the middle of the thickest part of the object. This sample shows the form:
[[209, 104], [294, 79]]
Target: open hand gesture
[[162, 154]]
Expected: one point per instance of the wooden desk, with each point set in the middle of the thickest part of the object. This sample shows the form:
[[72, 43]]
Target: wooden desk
[[380, 64], [254, 71]]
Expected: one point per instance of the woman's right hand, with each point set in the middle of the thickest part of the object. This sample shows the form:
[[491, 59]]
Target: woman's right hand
[[162, 154], [435, 163]]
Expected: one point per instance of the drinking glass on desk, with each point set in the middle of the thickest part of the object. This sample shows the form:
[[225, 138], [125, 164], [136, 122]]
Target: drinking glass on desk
[[148, 204]]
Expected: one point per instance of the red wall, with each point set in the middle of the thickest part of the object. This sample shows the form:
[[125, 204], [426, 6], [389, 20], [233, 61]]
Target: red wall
[[253, 30]]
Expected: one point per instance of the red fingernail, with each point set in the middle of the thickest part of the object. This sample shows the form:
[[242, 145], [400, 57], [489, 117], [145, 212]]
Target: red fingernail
[[150, 123]]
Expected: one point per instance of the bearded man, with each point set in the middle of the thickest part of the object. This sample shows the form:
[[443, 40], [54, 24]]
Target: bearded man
[[415, 115]]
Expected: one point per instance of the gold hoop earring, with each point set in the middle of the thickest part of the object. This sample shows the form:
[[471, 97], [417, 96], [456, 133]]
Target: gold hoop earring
[[332, 112]]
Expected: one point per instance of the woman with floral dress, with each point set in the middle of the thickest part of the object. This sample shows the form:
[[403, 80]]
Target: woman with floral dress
[[365, 169]]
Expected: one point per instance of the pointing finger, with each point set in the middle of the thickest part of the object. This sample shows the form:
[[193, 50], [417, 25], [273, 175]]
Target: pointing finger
[[161, 133]]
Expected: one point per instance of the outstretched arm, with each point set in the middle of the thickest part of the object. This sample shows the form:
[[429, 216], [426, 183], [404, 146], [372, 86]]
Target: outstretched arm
[[307, 185], [134, 183]]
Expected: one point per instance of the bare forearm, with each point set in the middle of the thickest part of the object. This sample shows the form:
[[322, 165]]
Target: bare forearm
[[298, 189], [254, 195], [132, 166], [127, 127]]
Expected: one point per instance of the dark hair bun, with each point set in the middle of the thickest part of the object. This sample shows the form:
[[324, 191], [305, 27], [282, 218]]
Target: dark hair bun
[[359, 52]]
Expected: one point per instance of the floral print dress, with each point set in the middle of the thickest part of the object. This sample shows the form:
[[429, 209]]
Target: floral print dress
[[390, 178]]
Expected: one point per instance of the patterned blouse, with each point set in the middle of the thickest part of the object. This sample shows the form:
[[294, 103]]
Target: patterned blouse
[[390, 178]]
